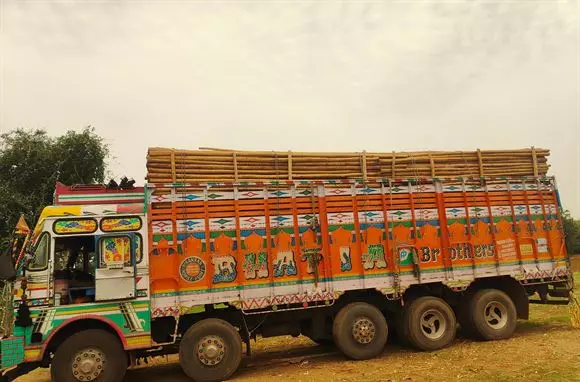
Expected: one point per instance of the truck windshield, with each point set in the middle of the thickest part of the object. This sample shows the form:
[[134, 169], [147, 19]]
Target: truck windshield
[[40, 259]]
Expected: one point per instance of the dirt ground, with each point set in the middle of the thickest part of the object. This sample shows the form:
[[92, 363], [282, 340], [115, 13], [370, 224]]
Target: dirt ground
[[545, 348], [548, 352]]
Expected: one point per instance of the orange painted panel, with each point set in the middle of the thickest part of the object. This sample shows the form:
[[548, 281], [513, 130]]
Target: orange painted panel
[[345, 255], [283, 258], [506, 245], [482, 239], [430, 253], [163, 268], [351, 239], [527, 241], [255, 266], [193, 268], [461, 249], [373, 251], [312, 259], [224, 262]]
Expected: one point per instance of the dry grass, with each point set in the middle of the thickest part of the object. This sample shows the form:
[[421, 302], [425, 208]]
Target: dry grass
[[575, 311], [575, 304], [575, 261]]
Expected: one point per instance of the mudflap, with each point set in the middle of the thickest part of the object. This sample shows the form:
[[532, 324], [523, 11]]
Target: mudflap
[[17, 371]]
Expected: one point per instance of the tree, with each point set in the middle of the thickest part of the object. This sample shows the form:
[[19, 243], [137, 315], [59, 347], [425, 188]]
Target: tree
[[31, 162], [572, 231]]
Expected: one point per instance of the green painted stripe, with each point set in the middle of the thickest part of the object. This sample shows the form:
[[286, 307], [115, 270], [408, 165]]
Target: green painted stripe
[[120, 196], [105, 306]]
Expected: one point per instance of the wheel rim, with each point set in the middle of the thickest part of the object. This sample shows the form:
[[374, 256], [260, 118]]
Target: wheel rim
[[433, 324], [363, 330], [496, 314], [88, 364], [211, 350]]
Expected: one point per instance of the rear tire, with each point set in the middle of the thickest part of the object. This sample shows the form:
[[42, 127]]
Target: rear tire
[[94, 355], [360, 331], [429, 323], [210, 350], [492, 315]]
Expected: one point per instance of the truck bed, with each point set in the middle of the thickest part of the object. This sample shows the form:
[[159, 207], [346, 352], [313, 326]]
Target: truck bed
[[291, 245]]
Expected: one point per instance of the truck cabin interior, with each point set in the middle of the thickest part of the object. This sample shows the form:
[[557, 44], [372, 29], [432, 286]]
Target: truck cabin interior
[[74, 269]]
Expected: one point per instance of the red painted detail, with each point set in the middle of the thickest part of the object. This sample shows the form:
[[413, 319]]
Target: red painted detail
[[130, 208], [91, 189], [80, 189], [81, 317]]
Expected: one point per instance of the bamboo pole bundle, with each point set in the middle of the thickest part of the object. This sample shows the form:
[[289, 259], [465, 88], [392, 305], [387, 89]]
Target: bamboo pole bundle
[[220, 165]]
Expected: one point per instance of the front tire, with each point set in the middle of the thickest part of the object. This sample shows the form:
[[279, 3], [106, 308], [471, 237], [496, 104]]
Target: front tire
[[210, 350], [429, 323], [360, 331], [492, 315], [90, 355]]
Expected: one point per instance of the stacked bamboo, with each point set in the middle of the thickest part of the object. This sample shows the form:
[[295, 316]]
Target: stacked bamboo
[[218, 165]]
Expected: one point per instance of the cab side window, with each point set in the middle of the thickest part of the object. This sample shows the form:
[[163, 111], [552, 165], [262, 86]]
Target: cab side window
[[41, 253], [74, 254]]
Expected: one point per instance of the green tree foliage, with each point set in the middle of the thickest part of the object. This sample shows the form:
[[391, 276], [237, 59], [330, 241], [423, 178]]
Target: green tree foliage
[[31, 162], [572, 231]]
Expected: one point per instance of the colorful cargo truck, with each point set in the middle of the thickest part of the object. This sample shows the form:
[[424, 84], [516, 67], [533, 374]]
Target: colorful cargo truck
[[200, 269]]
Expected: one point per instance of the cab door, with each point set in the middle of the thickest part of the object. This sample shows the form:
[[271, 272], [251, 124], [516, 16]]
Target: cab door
[[38, 270], [116, 267]]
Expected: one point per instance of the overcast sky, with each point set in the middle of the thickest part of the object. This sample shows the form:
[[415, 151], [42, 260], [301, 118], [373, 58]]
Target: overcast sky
[[322, 75]]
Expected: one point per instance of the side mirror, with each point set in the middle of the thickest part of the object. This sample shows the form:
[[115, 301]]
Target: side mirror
[[7, 270]]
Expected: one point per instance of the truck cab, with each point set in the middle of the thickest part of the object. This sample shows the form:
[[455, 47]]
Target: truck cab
[[84, 263], [76, 260]]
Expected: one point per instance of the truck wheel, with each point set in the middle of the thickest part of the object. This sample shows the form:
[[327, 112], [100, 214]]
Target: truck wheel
[[492, 315], [211, 350], [429, 323], [90, 355], [360, 331]]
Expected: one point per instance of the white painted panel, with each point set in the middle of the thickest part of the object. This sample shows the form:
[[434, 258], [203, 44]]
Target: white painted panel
[[114, 284]]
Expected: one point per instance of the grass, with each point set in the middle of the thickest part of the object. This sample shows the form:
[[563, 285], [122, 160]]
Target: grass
[[545, 318], [542, 315]]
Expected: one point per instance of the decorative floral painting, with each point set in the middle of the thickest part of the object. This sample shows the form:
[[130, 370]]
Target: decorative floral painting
[[120, 224], [72, 226], [116, 251]]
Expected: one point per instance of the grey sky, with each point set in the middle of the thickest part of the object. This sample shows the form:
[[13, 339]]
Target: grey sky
[[305, 75]]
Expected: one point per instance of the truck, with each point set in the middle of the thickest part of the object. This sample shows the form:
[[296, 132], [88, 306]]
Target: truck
[[115, 275]]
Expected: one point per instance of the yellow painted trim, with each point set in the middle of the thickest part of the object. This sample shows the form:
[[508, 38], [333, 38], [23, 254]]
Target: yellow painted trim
[[98, 309], [87, 310], [32, 354], [138, 341], [57, 211]]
